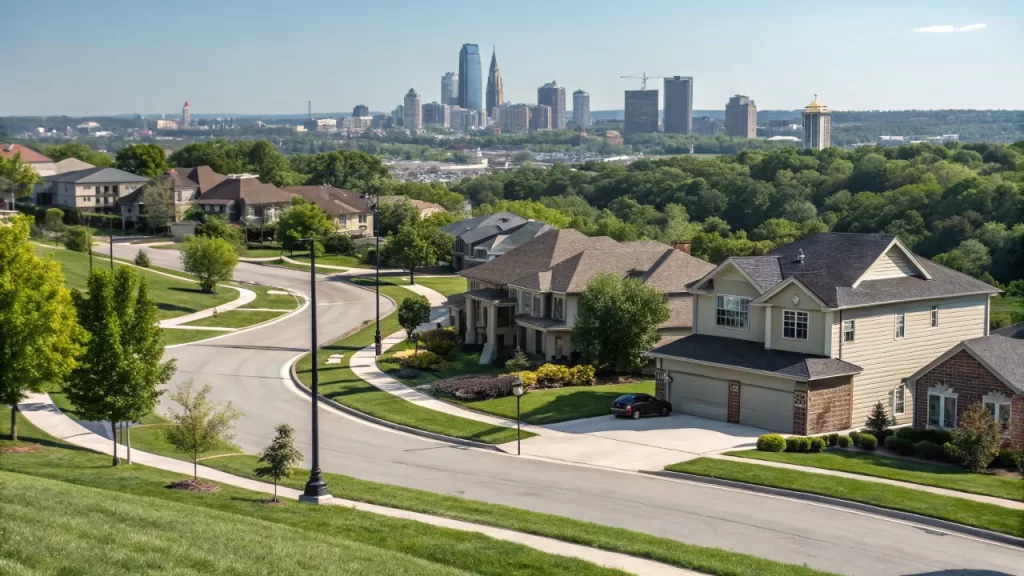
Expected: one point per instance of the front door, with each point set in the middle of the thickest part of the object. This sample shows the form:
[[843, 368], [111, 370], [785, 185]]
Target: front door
[[538, 342]]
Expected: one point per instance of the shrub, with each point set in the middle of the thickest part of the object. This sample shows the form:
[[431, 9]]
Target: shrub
[[867, 442], [878, 422], [833, 439], [803, 444], [339, 244], [939, 437], [1010, 459], [423, 360], [77, 239], [529, 378], [142, 259], [900, 445], [440, 341], [581, 375], [817, 444], [370, 257], [929, 450], [975, 442], [855, 437], [552, 376], [771, 443], [791, 445], [477, 386], [844, 441]]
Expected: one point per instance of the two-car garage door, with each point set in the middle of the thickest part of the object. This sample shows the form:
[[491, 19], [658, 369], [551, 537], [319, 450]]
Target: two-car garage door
[[709, 398], [766, 408]]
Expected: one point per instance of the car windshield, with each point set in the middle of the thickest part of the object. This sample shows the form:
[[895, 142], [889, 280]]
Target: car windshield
[[628, 398]]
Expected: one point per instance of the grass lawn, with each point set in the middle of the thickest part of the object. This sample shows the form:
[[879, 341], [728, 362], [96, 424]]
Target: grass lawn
[[236, 319], [340, 384], [969, 512], [458, 364], [174, 336], [560, 404], [334, 260], [173, 297], [446, 285], [470, 553], [894, 468], [174, 246], [271, 301], [1012, 306]]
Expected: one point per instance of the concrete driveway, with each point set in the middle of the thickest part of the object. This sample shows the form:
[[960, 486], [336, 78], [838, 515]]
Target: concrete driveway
[[647, 444]]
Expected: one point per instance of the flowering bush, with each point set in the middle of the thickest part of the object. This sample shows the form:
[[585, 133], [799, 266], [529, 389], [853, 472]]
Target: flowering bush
[[529, 378], [581, 375], [552, 375]]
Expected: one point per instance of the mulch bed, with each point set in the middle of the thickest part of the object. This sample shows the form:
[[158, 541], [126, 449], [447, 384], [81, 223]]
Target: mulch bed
[[23, 449], [192, 485]]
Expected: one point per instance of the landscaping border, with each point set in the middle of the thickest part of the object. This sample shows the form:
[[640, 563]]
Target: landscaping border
[[838, 502], [303, 306]]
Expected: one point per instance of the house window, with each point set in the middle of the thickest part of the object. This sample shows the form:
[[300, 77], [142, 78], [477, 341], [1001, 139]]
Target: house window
[[942, 408], [537, 311], [899, 400], [558, 347], [999, 407], [935, 316], [558, 308], [344, 220], [849, 330], [525, 301], [362, 218], [474, 285], [901, 325], [733, 312], [794, 325], [178, 195], [480, 253]]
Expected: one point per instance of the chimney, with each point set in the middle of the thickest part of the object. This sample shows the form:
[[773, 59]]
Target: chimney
[[682, 246]]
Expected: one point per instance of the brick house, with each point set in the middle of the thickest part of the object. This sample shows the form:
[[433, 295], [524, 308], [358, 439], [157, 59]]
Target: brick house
[[989, 370]]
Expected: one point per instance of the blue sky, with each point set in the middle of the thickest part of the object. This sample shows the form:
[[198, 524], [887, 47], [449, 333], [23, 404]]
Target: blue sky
[[257, 56]]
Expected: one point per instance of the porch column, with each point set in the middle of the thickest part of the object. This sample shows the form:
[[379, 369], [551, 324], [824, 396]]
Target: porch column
[[768, 327], [492, 324], [470, 322]]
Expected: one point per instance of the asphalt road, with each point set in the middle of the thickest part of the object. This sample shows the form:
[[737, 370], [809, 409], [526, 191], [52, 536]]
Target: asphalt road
[[246, 369]]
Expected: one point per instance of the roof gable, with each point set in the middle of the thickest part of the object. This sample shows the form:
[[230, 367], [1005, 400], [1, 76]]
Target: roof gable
[[731, 269], [249, 190], [537, 255], [28, 155], [895, 262], [999, 354]]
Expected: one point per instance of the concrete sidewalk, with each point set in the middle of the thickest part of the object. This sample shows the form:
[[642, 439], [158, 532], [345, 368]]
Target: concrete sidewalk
[[42, 413]]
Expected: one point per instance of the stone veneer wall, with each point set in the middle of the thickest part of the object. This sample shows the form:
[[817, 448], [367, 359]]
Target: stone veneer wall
[[830, 405]]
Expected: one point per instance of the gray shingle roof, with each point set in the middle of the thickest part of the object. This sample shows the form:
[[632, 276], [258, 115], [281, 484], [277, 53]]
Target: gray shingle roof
[[503, 243], [1003, 354], [674, 270], [97, 176], [680, 312], [752, 356], [331, 200], [537, 255], [251, 190], [763, 270], [473, 230]]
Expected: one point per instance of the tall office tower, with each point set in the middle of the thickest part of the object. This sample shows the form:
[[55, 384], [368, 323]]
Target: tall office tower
[[470, 88], [641, 112], [450, 89], [581, 109], [436, 114], [541, 117], [679, 105], [817, 125], [495, 90], [186, 116], [398, 116], [551, 94], [741, 117], [512, 118], [413, 112], [360, 110]]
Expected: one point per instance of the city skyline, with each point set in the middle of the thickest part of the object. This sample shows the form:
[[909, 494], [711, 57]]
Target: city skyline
[[907, 55]]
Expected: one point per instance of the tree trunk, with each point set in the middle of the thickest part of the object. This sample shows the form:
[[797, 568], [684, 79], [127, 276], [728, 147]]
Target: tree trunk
[[113, 430], [275, 489], [412, 276], [14, 422], [128, 433], [195, 467]]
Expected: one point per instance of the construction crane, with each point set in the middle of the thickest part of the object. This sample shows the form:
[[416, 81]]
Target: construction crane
[[643, 78]]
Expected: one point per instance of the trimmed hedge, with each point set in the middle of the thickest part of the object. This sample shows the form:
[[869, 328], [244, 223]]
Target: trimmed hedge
[[901, 445], [844, 441], [817, 444], [855, 436], [939, 437], [1010, 459], [833, 439], [771, 443], [440, 341], [867, 441], [929, 450], [424, 360]]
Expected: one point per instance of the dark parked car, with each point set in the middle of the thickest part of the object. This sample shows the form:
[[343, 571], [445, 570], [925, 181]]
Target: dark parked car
[[636, 405]]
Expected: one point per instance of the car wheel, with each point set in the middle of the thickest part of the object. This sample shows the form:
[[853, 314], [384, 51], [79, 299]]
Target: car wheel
[[665, 412], [636, 415]]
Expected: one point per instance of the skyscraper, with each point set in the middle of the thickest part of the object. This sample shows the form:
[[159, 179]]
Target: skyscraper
[[450, 89], [470, 87], [413, 112], [360, 110], [641, 112], [553, 95], [741, 117], [495, 91], [436, 114], [186, 116], [581, 109], [541, 117], [817, 125], [679, 105]]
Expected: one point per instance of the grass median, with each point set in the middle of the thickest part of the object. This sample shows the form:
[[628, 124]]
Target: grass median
[[560, 404], [959, 510]]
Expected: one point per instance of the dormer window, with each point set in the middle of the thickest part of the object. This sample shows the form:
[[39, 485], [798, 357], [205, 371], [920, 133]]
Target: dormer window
[[733, 312], [794, 325]]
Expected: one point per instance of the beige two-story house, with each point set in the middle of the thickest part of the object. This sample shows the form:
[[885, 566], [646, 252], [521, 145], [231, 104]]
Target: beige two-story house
[[92, 189], [351, 211], [807, 338]]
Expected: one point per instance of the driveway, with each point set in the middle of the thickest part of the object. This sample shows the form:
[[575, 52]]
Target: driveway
[[647, 444]]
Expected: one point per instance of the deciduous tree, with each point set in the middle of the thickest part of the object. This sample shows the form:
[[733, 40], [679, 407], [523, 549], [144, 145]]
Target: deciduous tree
[[79, 151], [146, 160], [975, 441], [158, 205], [304, 220], [16, 177], [412, 313], [279, 457], [200, 424], [409, 250], [212, 260]]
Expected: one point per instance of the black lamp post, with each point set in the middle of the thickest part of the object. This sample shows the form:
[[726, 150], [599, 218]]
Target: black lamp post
[[376, 235], [316, 488], [518, 391]]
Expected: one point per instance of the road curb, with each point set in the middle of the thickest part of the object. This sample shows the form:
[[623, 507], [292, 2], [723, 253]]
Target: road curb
[[868, 508]]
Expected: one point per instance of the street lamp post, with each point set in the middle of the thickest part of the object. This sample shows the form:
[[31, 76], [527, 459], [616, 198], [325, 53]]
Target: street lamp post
[[375, 195], [316, 488], [518, 391]]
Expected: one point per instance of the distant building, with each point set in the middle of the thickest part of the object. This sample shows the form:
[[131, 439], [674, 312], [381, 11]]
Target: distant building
[[541, 117], [378, 121], [512, 118], [424, 208], [89, 127], [398, 116], [462, 120], [553, 95], [356, 124], [707, 126], [641, 112], [42, 165], [413, 112], [352, 213], [90, 190], [167, 125], [679, 105], [450, 89], [892, 140], [741, 117], [613, 138], [495, 89], [817, 125], [436, 114], [186, 116], [470, 85], [581, 109], [321, 125], [361, 110]]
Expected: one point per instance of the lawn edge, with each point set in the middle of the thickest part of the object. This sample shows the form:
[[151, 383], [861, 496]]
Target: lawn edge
[[849, 504], [303, 306]]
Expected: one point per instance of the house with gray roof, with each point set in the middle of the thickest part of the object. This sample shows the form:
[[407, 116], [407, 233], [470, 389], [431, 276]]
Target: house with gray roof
[[529, 297], [809, 337], [185, 185], [91, 190], [987, 370], [483, 238], [243, 198]]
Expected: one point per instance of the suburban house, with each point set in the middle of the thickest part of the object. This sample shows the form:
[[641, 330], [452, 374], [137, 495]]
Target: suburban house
[[807, 338], [186, 186], [989, 369], [425, 208], [42, 165], [529, 297], [243, 199], [483, 238], [352, 212], [89, 190]]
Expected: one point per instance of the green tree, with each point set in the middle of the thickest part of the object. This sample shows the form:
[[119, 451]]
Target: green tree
[[53, 220], [618, 322], [970, 257], [412, 313], [77, 239], [271, 165], [121, 372], [408, 250], [80, 151], [146, 160], [528, 209], [303, 220], [347, 169], [279, 457], [158, 202], [878, 421], [201, 424], [16, 177], [393, 215], [41, 339], [440, 241], [212, 260], [216, 226], [518, 362], [975, 441]]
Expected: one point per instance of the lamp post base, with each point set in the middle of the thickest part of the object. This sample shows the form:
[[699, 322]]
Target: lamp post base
[[315, 499]]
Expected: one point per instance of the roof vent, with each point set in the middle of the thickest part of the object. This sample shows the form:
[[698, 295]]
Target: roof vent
[[800, 256]]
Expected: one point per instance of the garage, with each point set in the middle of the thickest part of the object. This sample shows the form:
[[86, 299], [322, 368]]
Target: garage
[[766, 408], [699, 396]]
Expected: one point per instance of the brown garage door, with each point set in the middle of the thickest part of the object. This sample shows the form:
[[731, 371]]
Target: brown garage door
[[704, 397], [766, 408]]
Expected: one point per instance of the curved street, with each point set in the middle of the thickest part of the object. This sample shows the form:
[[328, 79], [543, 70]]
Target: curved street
[[246, 369]]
